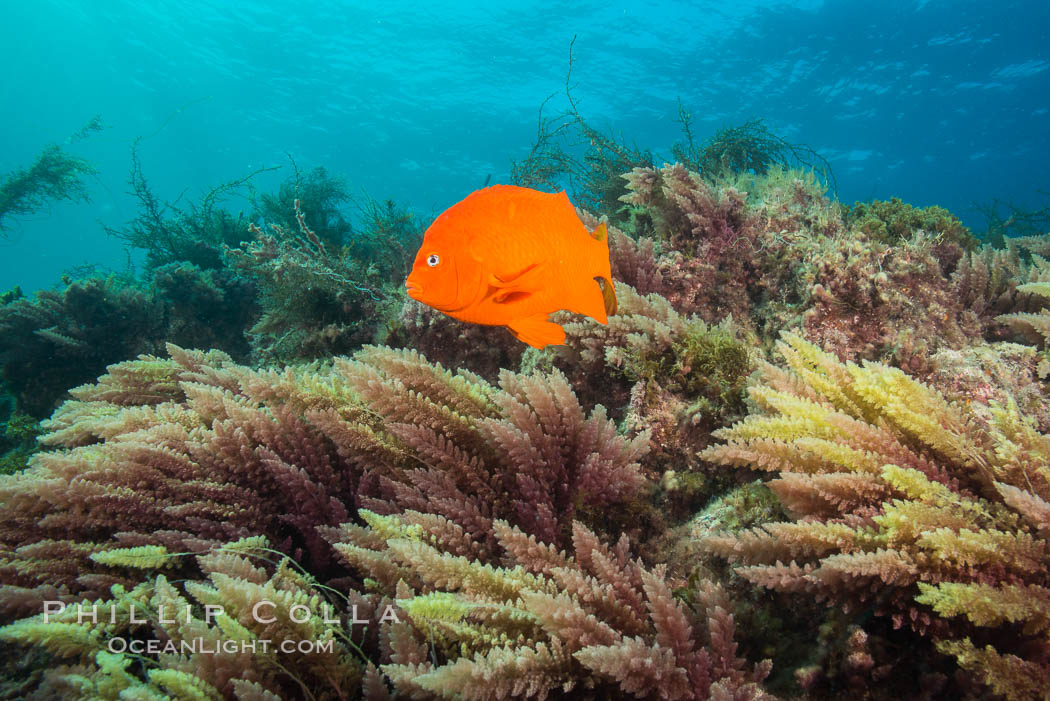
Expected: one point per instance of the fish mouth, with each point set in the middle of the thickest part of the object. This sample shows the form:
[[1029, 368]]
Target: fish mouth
[[415, 291]]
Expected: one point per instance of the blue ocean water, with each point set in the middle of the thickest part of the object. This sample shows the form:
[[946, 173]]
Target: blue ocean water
[[937, 102]]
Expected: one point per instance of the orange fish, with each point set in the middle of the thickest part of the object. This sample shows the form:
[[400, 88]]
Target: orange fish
[[510, 256]]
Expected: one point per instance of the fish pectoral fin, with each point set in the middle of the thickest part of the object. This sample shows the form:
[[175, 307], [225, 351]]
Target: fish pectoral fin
[[507, 296], [517, 286], [538, 331], [528, 279]]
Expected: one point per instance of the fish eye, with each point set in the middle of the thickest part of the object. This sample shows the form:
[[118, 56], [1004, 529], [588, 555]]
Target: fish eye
[[433, 259]]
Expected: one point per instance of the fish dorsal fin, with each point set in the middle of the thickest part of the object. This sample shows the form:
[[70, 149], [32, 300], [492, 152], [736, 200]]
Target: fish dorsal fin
[[600, 233], [538, 331]]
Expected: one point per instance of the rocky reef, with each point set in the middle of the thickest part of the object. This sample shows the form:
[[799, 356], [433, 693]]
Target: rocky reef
[[808, 457]]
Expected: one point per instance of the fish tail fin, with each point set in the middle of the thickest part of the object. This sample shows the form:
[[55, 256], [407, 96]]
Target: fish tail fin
[[604, 276], [608, 295]]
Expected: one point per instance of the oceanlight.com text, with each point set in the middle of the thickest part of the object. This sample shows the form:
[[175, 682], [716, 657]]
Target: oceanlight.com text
[[200, 646]]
